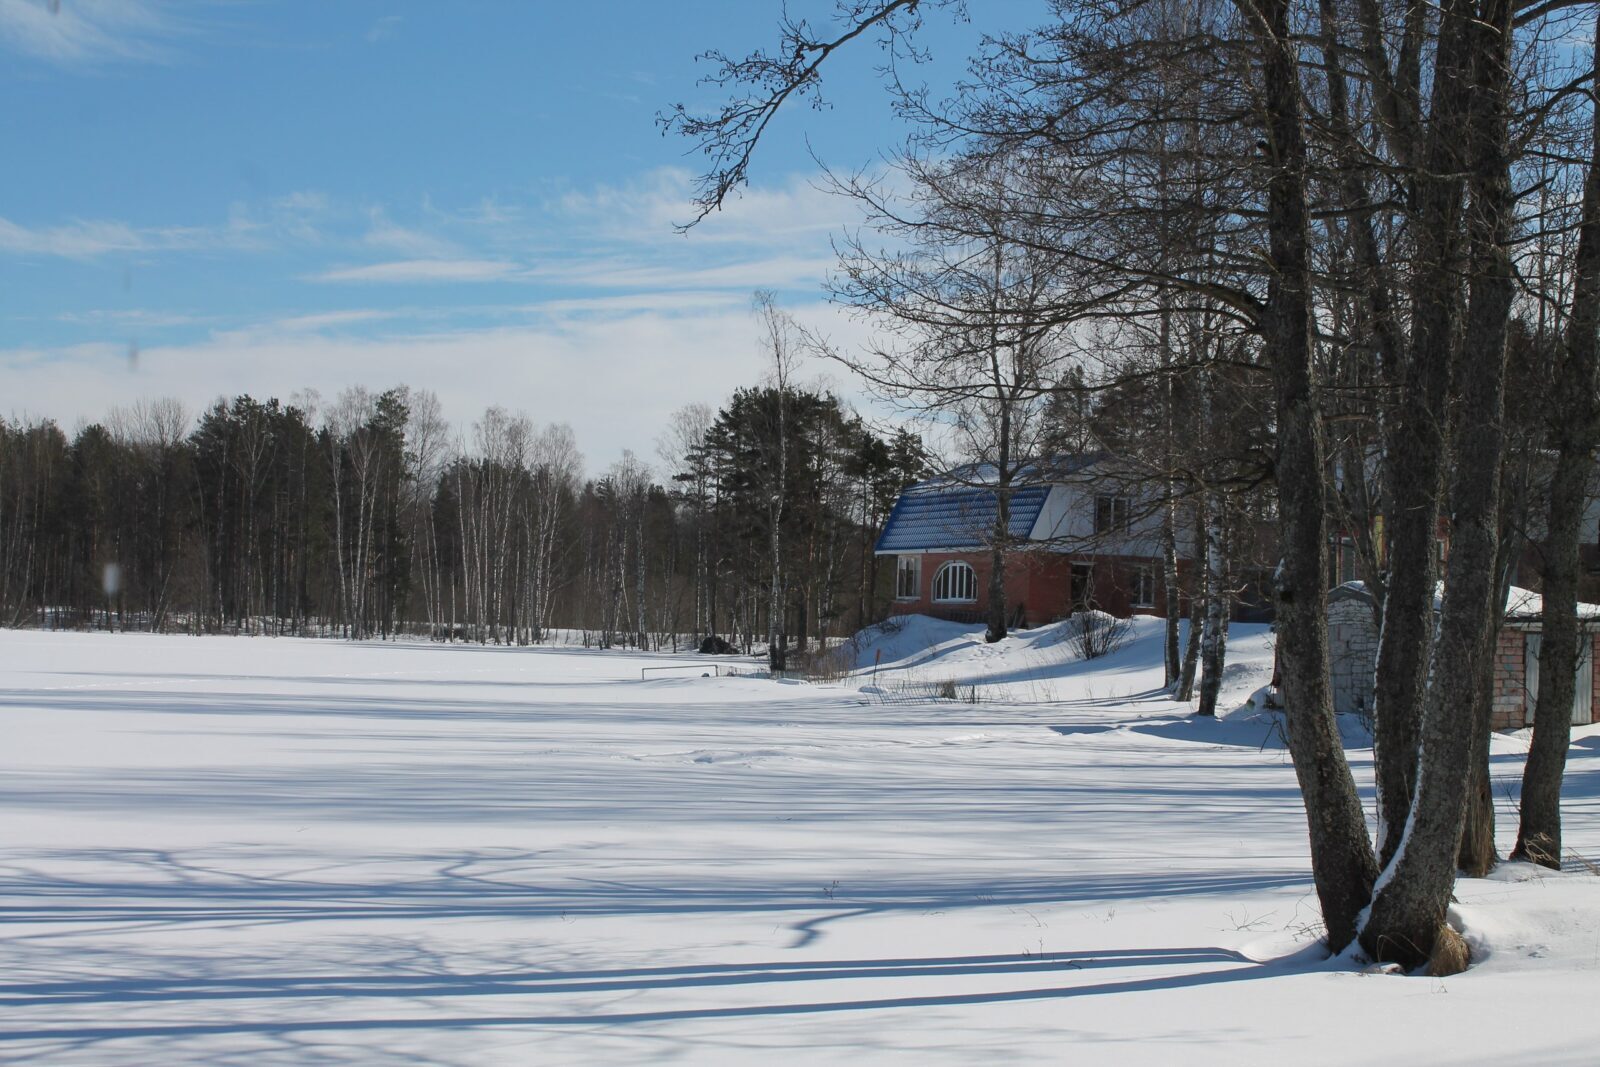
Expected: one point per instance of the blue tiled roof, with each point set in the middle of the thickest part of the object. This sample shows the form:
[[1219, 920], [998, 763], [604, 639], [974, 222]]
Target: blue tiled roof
[[931, 517]]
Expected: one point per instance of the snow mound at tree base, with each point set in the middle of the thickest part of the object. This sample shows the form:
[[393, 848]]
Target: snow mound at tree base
[[1046, 664]]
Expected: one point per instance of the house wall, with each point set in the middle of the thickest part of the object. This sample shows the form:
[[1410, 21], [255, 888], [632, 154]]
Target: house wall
[[1018, 583], [1068, 515], [1040, 582]]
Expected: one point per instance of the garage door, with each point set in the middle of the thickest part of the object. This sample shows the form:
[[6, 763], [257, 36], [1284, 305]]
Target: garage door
[[1583, 698]]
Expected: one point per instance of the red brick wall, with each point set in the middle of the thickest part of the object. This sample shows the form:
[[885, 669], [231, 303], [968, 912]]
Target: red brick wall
[[1039, 581], [1509, 700], [1509, 711], [1017, 587]]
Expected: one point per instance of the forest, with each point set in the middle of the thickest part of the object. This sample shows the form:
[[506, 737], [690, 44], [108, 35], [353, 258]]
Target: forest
[[368, 517]]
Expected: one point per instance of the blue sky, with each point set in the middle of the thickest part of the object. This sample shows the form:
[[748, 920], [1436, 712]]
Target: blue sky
[[208, 198]]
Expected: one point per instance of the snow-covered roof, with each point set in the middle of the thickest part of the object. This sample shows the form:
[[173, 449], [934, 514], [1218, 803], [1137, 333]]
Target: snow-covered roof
[[1522, 605], [1526, 604], [941, 517]]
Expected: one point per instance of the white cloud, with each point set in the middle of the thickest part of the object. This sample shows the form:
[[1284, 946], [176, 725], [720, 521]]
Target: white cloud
[[652, 205], [93, 238], [616, 378], [670, 302], [86, 32], [330, 320], [76, 240], [385, 234], [775, 272], [132, 318], [384, 28], [423, 270]]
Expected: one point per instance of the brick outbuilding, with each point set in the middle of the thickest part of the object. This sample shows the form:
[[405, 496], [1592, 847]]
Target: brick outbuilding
[[1353, 645]]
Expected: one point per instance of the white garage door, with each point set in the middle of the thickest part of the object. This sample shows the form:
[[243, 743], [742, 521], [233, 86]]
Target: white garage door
[[1583, 698]]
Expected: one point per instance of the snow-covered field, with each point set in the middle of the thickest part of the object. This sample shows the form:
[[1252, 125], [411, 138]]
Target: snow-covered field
[[271, 851]]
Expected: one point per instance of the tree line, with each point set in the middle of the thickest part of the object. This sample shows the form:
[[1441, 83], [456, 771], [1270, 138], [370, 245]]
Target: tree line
[[1343, 256], [367, 516]]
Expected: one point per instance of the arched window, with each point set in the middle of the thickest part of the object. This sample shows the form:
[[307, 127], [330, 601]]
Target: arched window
[[955, 581]]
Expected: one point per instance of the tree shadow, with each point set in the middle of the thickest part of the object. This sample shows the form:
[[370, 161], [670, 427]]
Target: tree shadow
[[1210, 965]]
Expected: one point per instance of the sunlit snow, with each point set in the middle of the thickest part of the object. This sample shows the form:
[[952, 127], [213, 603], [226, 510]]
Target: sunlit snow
[[274, 851]]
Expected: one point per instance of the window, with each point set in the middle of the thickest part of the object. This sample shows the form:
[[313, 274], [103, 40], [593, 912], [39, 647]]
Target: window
[[1144, 587], [955, 581], [1082, 592], [1110, 514], [908, 578], [1342, 561]]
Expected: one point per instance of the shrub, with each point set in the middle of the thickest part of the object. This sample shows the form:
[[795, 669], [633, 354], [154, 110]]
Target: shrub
[[1095, 634]]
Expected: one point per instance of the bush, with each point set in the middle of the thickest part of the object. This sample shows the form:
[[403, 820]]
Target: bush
[[1095, 634]]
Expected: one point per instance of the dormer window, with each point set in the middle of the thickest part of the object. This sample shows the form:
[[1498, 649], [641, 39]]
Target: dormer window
[[1111, 514]]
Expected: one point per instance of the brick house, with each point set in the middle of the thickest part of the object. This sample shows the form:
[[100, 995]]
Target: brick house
[[1353, 644], [1083, 536]]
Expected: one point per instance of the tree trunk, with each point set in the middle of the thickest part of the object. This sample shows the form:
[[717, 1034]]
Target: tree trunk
[[1406, 923], [1416, 446], [1214, 639], [997, 563], [1173, 594], [1341, 855], [1199, 597], [1577, 426], [1539, 832]]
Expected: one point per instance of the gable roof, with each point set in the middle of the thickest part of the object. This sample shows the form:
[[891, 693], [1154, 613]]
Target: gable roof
[[937, 516]]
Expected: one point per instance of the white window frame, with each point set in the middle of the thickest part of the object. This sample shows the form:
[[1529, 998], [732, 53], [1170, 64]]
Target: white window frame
[[1119, 513], [1145, 576], [912, 566], [945, 581]]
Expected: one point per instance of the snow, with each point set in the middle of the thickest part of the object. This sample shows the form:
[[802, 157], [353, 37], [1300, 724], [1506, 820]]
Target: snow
[[1521, 604], [276, 851], [1044, 665]]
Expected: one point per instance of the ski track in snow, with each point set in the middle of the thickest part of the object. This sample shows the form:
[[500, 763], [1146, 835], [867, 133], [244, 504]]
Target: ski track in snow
[[277, 851]]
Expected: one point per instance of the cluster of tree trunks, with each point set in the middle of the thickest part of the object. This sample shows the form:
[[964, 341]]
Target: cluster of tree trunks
[[1348, 215]]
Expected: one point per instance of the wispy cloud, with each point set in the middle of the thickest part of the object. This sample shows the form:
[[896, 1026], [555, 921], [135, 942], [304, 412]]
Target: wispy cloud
[[403, 240], [82, 239], [769, 272], [649, 207], [295, 218], [655, 362], [86, 32], [384, 28], [131, 318], [412, 271], [330, 320]]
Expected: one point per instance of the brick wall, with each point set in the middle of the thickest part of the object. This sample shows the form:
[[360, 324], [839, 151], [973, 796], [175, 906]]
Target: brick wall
[[1353, 651], [1041, 583], [1510, 695]]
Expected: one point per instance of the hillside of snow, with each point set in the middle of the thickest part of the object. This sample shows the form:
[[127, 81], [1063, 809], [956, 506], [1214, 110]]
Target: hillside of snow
[[275, 851]]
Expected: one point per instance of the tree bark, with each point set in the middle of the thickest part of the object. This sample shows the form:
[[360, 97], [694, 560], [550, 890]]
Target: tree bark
[[1577, 432], [1416, 446], [1406, 923], [1199, 596], [1214, 637], [1341, 854]]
